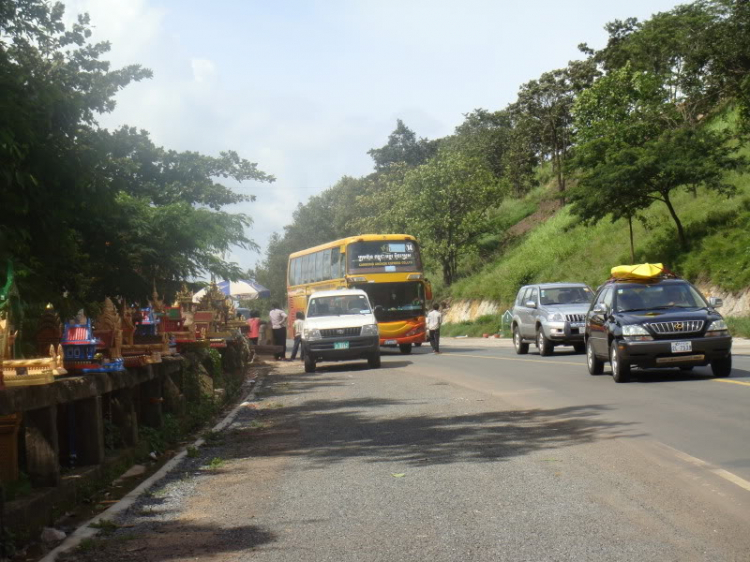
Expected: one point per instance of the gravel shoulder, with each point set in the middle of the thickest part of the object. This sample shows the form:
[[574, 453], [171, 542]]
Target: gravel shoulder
[[357, 464]]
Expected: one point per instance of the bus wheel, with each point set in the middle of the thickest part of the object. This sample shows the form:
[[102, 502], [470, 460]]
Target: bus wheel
[[405, 348]]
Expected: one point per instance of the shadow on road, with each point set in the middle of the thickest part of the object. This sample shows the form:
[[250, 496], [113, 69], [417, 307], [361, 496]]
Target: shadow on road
[[387, 430], [387, 363], [173, 540]]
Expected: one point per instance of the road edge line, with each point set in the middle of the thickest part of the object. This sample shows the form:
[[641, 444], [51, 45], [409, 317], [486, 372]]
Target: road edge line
[[720, 472]]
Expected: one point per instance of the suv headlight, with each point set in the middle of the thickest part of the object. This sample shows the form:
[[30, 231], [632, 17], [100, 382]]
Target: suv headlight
[[717, 328], [369, 330], [636, 332], [311, 335], [556, 317]]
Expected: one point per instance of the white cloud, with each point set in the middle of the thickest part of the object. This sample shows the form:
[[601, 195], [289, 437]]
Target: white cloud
[[204, 70]]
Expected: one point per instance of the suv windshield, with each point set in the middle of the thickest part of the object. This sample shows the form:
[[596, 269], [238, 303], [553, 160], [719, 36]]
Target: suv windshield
[[565, 295], [649, 297], [338, 305]]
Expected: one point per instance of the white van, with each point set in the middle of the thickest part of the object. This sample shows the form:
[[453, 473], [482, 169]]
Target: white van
[[340, 325]]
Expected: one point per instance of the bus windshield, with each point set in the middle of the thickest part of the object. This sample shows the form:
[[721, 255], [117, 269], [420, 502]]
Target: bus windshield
[[395, 301], [383, 256]]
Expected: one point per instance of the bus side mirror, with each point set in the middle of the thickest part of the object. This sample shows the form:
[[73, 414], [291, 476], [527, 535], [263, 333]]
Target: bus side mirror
[[427, 290]]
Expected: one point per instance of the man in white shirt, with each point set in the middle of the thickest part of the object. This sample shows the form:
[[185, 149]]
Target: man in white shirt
[[434, 320], [278, 326]]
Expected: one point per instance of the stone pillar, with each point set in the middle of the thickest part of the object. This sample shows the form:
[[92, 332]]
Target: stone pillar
[[125, 417], [42, 448], [89, 431], [151, 403], [174, 401]]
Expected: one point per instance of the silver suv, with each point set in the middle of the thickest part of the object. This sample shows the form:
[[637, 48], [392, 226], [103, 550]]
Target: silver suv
[[550, 314]]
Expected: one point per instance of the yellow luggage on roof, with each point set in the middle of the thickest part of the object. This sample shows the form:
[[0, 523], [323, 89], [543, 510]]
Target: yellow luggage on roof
[[639, 271]]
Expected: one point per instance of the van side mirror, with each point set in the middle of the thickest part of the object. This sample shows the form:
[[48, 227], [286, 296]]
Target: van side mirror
[[530, 304], [600, 308], [715, 302]]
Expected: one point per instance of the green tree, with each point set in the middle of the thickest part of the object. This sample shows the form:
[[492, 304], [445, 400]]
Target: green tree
[[543, 113], [402, 146], [446, 201], [87, 212], [500, 141], [635, 147]]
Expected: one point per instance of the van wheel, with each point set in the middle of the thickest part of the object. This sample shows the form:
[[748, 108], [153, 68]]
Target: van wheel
[[405, 348], [309, 364], [596, 365], [521, 348], [722, 367], [374, 361], [545, 346], [620, 368]]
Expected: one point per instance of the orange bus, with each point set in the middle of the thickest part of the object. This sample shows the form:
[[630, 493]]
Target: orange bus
[[388, 267]]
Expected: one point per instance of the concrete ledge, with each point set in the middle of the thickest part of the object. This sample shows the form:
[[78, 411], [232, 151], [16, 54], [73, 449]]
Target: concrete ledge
[[27, 516]]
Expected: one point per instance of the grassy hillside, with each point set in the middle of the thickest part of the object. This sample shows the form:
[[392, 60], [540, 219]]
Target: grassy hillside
[[563, 249]]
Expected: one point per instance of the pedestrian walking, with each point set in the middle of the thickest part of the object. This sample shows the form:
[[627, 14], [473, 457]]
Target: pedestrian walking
[[278, 326], [299, 323], [434, 320], [253, 324]]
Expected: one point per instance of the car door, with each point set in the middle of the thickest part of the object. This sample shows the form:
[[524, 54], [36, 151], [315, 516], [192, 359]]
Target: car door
[[519, 310], [597, 321], [531, 296]]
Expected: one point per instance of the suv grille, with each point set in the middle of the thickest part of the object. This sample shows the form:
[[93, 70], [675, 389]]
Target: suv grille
[[340, 332], [686, 326], [575, 317]]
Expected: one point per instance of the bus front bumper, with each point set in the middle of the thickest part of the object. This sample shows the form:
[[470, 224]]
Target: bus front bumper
[[403, 340]]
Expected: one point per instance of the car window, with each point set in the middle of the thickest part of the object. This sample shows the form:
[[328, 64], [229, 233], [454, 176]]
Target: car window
[[519, 297], [645, 297], [565, 295], [605, 293], [534, 294], [339, 305]]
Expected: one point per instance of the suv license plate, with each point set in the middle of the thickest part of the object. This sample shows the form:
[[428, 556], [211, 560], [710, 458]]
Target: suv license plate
[[341, 345], [390, 342], [577, 324], [682, 346]]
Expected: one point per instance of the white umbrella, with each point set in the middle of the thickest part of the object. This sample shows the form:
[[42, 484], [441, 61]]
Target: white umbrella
[[246, 289]]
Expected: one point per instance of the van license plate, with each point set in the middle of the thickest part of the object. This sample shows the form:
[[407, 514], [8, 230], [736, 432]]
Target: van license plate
[[390, 342], [341, 345], [682, 346]]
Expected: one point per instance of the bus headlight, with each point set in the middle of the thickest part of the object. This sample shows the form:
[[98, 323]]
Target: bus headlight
[[311, 335], [369, 330]]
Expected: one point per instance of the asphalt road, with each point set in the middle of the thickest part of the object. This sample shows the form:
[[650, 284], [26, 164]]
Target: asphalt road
[[475, 454]]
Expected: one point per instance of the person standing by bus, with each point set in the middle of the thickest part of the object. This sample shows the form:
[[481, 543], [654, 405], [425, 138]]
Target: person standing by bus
[[253, 324], [278, 326], [299, 323], [434, 320]]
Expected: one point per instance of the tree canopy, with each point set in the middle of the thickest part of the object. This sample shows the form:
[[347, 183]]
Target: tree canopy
[[88, 212]]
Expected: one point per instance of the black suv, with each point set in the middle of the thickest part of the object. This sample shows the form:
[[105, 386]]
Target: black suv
[[655, 322]]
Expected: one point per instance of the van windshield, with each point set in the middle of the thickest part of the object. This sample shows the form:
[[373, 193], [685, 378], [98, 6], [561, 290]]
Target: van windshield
[[338, 305]]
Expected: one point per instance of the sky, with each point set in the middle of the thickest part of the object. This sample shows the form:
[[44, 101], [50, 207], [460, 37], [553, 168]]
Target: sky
[[306, 88]]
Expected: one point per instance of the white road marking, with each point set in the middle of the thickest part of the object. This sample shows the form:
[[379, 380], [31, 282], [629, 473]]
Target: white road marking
[[720, 472]]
